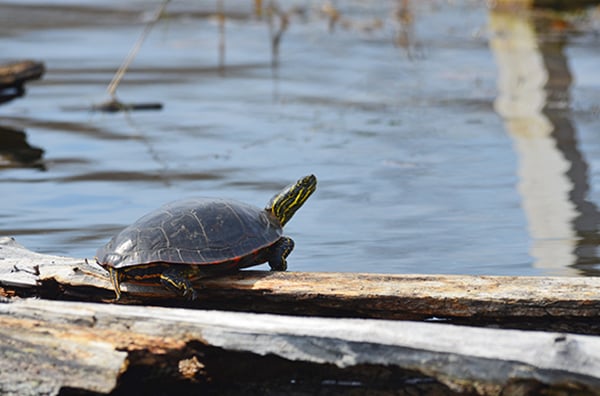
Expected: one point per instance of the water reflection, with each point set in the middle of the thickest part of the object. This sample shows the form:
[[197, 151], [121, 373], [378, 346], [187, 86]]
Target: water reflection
[[15, 152], [534, 81], [405, 35]]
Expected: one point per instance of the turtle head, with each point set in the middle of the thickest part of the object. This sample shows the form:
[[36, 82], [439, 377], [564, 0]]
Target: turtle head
[[287, 202]]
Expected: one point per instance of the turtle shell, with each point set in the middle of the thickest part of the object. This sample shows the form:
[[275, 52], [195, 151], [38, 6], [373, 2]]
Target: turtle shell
[[203, 231]]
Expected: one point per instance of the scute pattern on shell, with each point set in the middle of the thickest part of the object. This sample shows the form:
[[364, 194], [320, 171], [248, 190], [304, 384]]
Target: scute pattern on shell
[[199, 231]]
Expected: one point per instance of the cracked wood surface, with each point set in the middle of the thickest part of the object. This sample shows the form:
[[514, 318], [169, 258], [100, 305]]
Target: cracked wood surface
[[88, 346]]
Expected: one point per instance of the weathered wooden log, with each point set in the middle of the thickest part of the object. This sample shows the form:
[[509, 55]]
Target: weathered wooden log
[[13, 77], [560, 303], [51, 345]]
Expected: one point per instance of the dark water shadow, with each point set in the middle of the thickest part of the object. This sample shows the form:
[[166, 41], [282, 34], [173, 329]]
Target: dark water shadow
[[16, 152], [535, 103]]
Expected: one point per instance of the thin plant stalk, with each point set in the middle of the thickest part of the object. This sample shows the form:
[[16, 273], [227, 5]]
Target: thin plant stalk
[[112, 87], [221, 17]]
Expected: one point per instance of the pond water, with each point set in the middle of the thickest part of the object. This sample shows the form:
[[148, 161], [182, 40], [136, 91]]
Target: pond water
[[446, 137]]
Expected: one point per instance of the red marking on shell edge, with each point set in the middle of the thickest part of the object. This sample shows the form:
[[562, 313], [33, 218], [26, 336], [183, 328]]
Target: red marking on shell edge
[[232, 260]]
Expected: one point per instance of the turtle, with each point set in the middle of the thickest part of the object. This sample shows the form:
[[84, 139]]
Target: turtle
[[189, 239]]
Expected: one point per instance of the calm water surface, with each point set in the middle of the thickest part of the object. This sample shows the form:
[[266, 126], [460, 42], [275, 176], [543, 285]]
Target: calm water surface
[[446, 138]]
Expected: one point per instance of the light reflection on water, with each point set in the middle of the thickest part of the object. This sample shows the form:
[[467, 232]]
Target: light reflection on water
[[445, 140], [534, 100]]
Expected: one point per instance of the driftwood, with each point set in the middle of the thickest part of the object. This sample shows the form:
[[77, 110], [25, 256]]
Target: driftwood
[[13, 77], [546, 303], [51, 345]]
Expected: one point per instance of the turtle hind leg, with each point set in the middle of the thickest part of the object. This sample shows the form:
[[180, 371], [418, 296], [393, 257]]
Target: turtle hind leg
[[176, 281], [279, 252]]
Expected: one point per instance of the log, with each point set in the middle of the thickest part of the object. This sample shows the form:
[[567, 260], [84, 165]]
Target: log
[[52, 347], [49, 346], [546, 303], [14, 75]]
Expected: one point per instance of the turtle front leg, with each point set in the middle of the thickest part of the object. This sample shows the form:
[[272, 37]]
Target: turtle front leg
[[176, 281], [279, 252]]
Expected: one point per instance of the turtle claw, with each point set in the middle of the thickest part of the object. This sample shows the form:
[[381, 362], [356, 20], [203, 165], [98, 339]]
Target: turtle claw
[[190, 294]]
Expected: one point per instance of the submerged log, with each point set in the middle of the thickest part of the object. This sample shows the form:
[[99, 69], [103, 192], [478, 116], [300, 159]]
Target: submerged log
[[545, 303], [49, 346], [115, 106]]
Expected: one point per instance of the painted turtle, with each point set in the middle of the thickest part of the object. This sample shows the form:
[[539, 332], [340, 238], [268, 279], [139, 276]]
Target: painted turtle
[[189, 239]]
